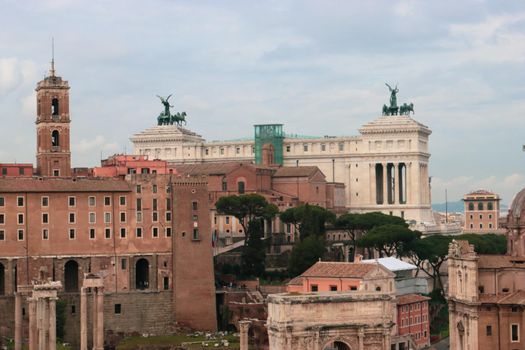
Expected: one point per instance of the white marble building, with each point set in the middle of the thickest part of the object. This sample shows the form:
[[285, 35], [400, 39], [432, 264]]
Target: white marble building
[[385, 168]]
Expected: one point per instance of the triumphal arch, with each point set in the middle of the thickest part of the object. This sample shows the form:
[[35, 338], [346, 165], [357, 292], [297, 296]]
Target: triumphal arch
[[327, 321]]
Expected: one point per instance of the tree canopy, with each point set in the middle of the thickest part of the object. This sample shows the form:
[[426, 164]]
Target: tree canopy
[[389, 239], [246, 207], [308, 219], [305, 254], [489, 243]]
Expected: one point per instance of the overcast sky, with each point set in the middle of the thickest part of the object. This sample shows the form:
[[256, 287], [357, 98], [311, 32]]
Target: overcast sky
[[319, 67]]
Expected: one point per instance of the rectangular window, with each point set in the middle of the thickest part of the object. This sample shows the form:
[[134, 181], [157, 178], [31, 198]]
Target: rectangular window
[[333, 288], [305, 148], [20, 219], [107, 201], [20, 235], [195, 218], [154, 204], [227, 219], [489, 330], [341, 147], [288, 148], [166, 283], [154, 189], [92, 218], [224, 186], [515, 332], [139, 216], [314, 288], [56, 172], [71, 218], [122, 200], [118, 309], [107, 233], [45, 201], [139, 204], [45, 218], [155, 232], [323, 147], [138, 232], [123, 264], [45, 234], [2, 219], [194, 205], [155, 216], [168, 231], [139, 189], [92, 201], [195, 234], [353, 288], [2, 201], [72, 233], [122, 232], [2, 235], [107, 217], [72, 201], [168, 203], [20, 201], [168, 216], [122, 216], [91, 233]]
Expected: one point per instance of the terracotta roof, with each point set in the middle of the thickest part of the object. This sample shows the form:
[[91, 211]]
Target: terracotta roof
[[297, 171], [32, 184], [297, 281], [480, 192], [208, 168], [339, 269], [410, 298], [500, 261], [515, 298]]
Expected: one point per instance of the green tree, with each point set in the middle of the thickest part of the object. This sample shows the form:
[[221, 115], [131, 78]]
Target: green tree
[[432, 250], [389, 239], [246, 208], [254, 253], [357, 225], [489, 243], [308, 219], [305, 254]]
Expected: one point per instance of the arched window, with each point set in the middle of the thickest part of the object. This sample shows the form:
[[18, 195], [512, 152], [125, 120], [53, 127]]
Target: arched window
[[471, 206], [2, 279], [55, 138], [240, 187], [338, 345], [54, 106], [142, 274], [480, 206], [71, 276], [490, 206]]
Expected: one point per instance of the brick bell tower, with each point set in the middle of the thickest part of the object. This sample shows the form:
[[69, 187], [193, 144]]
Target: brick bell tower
[[53, 155]]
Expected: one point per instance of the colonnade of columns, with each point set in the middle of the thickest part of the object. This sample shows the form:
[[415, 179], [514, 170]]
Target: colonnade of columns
[[390, 180], [94, 284]]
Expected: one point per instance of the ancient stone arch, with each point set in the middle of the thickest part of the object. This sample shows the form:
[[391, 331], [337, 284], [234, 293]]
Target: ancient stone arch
[[337, 344]]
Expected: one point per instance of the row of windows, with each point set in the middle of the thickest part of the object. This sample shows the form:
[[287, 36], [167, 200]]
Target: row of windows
[[72, 201], [490, 206], [92, 217], [333, 288], [408, 321], [480, 216], [481, 226], [411, 307], [514, 332], [123, 232]]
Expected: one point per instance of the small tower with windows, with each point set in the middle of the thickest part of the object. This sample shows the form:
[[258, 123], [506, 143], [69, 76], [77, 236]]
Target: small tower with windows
[[53, 155]]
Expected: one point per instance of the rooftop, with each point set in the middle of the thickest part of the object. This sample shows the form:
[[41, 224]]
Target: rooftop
[[39, 184], [339, 269], [391, 263], [410, 299]]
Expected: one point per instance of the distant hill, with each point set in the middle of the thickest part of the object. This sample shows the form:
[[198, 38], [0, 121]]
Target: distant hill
[[457, 207]]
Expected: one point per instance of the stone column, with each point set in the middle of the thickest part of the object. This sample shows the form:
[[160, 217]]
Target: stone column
[[94, 318], [100, 320], [83, 319], [244, 326], [386, 338], [385, 183], [41, 323], [33, 331], [18, 321], [360, 338], [395, 179], [52, 324]]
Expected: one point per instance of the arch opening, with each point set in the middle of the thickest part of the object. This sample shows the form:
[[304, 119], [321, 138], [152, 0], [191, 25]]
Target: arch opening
[[55, 138], [142, 274], [54, 107], [71, 276], [337, 345]]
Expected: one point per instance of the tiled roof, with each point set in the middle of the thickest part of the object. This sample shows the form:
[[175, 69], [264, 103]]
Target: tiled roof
[[410, 298], [500, 261], [339, 269], [297, 171], [208, 168], [515, 298], [297, 281], [33, 184]]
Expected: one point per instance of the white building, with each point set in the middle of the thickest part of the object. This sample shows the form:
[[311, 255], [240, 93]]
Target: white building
[[385, 168]]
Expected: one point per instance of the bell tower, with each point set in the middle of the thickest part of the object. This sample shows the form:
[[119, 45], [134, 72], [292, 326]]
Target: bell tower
[[53, 155]]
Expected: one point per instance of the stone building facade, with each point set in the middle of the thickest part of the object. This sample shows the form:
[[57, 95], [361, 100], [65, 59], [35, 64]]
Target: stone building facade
[[481, 212], [146, 234], [323, 321], [486, 293], [385, 168]]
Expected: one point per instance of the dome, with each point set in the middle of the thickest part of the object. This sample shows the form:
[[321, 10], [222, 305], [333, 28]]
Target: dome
[[517, 209]]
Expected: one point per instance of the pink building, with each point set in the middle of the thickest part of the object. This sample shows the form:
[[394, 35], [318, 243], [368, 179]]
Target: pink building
[[14, 169], [122, 164], [412, 318]]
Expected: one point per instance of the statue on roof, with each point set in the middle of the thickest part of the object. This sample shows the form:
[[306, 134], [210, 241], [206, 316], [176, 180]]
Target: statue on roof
[[393, 97], [394, 109], [166, 118]]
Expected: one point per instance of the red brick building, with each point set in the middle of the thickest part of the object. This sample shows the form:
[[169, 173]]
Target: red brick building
[[10, 169], [139, 230], [412, 318], [481, 212]]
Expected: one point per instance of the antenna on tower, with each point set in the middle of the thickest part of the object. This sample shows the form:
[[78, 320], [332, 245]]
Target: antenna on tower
[[52, 56]]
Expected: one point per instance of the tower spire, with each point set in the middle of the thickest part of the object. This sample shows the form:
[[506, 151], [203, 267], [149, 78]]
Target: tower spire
[[52, 71]]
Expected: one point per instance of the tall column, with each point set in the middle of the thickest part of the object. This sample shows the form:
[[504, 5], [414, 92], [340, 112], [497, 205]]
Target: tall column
[[372, 178], [52, 324], [83, 319], [100, 320], [40, 313], [244, 326], [18, 321], [360, 338], [94, 319], [394, 180], [385, 183], [33, 330]]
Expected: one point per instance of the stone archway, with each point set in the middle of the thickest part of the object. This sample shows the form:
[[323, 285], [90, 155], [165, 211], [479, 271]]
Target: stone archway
[[142, 274], [71, 276], [337, 345]]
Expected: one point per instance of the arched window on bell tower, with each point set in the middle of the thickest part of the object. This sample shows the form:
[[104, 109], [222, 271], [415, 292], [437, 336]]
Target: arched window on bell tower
[[54, 106], [55, 138]]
